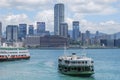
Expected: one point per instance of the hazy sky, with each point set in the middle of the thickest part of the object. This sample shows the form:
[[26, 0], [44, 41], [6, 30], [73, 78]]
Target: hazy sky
[[102, 15]]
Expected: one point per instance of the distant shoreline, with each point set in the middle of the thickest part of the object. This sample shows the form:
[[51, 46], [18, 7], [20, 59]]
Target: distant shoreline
[[61, 48]]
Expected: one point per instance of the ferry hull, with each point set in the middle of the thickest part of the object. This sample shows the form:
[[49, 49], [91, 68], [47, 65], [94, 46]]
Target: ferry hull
[[12, 59], [83, 71], [81, 74]]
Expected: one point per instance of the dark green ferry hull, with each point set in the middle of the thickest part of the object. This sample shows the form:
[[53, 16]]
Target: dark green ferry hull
[[13, 59], [82, 74], [83, 71]]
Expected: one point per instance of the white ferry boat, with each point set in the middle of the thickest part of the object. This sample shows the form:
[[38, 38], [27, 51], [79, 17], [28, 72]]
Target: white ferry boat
[[76, 65], [12, 53]]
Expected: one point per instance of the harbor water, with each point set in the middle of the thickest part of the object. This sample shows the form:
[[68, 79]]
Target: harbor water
[[43, 65]]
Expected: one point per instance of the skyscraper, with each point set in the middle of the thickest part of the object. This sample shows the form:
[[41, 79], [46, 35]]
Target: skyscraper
[[22, 31], [76, 33], [87, 37], [64, 29], [58, 17], [31, 30], [12, 33], [87, 34], [40, 27]]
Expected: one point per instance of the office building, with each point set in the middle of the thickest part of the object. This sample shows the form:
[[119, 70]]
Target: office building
[[22, 31], [31, 30], [58, 17], [87, 34], [40, 27], [64, 30], [46, 41], [76, 32], [12, 33]]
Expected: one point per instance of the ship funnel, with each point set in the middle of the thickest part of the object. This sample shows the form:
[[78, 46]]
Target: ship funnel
[[74, 57]]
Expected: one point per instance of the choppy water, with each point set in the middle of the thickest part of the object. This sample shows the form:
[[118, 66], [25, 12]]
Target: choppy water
[[43, 66]]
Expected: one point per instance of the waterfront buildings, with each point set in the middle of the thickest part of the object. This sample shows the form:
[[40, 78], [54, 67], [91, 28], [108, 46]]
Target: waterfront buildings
[[46, 41], [64, 30], [58, 17], [12, 33], [76, 32], [22, 31], [31, 30]]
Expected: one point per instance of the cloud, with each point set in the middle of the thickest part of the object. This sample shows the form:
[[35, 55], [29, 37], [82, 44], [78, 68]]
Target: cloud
[[109, 27], [4, 3], [75, 10], [14, 19], [26, 4], [92, 7], [48, 17], [76, 6]]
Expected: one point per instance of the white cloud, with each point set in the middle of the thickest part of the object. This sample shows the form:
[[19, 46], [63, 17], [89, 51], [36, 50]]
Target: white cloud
[[46, 16], [4, 3], [14, 19], [92, 7], [31, 4], [109, 27], [77, 6], [75, 10]]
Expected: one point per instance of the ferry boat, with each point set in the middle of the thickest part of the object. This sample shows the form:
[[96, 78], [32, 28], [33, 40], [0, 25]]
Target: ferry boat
[[12, 53], [76, 65]]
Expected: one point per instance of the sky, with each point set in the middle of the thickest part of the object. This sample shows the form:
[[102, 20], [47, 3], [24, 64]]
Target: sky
[[93, 15]]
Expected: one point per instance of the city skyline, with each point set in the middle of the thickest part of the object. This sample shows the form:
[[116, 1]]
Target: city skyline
[[93, 15]]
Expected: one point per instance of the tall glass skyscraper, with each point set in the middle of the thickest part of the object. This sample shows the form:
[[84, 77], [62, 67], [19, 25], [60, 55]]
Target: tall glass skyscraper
[[31, 30], [12, 33], [58, 17], [64, 30], [76, 33], [22, 31], [40, 27]]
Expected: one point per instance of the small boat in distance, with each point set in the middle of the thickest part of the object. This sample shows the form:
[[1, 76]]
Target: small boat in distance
[[13, 53], [76, 65]]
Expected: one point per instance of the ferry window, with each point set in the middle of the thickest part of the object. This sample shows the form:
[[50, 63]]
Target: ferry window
[[83, 62], [79, 62], [75, 68], [72, 68], [92, 62], [60, 60], [73, 62], [65, 61], [65, 67], [68, 68], [86, 62], [68, 62]]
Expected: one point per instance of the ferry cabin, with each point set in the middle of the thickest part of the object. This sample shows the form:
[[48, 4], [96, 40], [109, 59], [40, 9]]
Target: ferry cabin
[[14, 53], [74, 65]]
